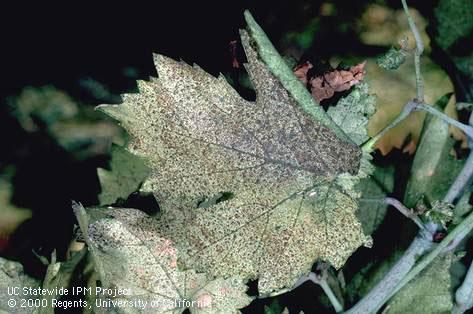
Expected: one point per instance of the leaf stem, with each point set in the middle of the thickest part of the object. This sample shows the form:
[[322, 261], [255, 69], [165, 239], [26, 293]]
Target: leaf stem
[[418, 52], [461, 182], [331, 296], [408, 108], [417, 106], [405, 211], [321, 280]]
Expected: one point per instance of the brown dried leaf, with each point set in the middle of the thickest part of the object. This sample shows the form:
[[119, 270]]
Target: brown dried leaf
[[324, 86]]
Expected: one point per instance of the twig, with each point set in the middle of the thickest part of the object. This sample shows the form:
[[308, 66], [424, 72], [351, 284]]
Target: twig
[[418, 106], [430, 109], [331, 296], [408, 108], [405, 211], [461, 182], [464, 294], [418, 52], [321, 280]]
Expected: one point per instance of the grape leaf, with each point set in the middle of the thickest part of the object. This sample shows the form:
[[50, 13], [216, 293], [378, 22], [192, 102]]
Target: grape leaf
[[132, 255], [126, 174], [392, 59], [13, 277], [427, 293], [352, 113], [281, 166], [454, 21]]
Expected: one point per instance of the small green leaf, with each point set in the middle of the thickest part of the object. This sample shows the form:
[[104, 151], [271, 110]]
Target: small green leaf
[[440, 213], [44, 105], [126, 173], [364, 280], [392, 59]]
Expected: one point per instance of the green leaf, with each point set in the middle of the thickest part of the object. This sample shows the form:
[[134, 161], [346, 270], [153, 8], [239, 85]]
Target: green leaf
[[10, 215], [12, 276], [441, 213], [434, 168], [373, 189], [133, 256], [352, 113], [126, 174], [392, 59], [427, 293], [454, 21], [281, 167], [45, 105]]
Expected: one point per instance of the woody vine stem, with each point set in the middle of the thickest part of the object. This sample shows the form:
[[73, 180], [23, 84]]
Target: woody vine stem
[[409, 265], [407, 268]]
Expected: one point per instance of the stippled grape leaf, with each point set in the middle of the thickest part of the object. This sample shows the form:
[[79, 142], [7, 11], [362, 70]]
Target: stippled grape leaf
[[130, 254], [126, 173], [392, 59], [13, 277], [281, 166], [352, 113], [427, 293]]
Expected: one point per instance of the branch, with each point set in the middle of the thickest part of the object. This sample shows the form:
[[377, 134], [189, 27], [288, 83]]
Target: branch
[[283, 72], [377, 296], [464, 294], [461, 230], [418, 52], [408, 108]]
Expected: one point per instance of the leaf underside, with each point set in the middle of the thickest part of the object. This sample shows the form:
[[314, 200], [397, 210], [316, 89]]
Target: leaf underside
[[136, 258], [200, 138]]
